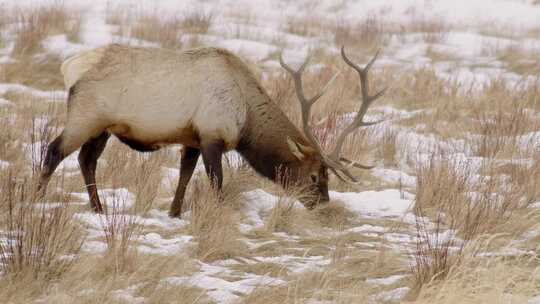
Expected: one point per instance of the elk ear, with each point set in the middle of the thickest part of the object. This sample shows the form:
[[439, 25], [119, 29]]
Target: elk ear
[[295, 149], [299, 150]]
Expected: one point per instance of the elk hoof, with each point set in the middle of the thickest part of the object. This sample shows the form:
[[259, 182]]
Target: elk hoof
[[175, 214]]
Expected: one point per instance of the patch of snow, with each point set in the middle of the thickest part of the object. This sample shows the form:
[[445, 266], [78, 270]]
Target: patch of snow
[[394, 176], [120, 198], [390, 295], [258, 201], [60, 46], [535, 300], [94, 246], [510, 251], [4, 102], [49, 205], [298, 264], [161, 219], [252, 245], [251, 49], [4, 164], [127, 296], [156, 244], [367, 228], [36, 151], [386, 203], [386, 281], [50, 96], [220, 290]]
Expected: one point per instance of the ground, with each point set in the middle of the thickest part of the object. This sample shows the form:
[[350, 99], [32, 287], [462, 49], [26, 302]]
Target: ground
[[448, 215]]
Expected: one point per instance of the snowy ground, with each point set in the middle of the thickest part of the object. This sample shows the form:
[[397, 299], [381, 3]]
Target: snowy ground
[[382, 217]]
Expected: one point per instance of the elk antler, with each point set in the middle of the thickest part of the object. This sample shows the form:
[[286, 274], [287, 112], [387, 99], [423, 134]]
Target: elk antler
[[334, 161], [305, 103], [367, 100]]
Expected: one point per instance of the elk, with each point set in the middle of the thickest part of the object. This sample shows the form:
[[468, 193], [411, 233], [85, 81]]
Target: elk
[[205, 99]]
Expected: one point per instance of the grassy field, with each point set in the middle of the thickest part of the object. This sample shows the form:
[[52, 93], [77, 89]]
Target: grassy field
[[449, 215]]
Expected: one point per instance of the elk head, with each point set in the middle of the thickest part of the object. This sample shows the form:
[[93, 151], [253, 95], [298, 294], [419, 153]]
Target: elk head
[[317, 162]]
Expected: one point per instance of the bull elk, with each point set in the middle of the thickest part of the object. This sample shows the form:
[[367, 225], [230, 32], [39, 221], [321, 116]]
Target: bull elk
[[206, 99]]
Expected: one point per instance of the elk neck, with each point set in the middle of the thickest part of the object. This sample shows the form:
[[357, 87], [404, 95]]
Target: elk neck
[[264, 139]]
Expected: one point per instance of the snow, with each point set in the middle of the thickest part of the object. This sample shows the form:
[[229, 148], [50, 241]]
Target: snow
[[4, 164], [535, 300], [252, 49], [120, 198], [126, 295], [59, 45], [50, 96], [390, 295], [37, 151], [221, 290], [394, 176], [257, 32], [4, 102], [385, 203], [257, 202], [365, 228], [155, 244], [94, 246], [386, 281]]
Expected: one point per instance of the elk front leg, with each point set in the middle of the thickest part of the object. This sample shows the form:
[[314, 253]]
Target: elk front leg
[[190, 156], [90, 152], [211, 153]]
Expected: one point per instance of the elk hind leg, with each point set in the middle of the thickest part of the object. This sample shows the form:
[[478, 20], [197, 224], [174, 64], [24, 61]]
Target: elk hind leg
[[211, 153], [90, 152], [190, 156]]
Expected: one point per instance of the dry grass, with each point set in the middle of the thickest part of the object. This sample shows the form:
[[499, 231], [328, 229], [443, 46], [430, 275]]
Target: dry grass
[[328, 284], [306, 27], [36, 24], [217, 238], [387, 148], [484, 207], [152, 26], [120, 230], [496, 279], [197, 21], [433, 30], [471, 207], [39, 242], [40, 73], [155, 28], [368, 34]]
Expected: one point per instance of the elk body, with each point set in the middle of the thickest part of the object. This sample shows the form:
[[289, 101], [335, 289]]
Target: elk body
[[205, 99]]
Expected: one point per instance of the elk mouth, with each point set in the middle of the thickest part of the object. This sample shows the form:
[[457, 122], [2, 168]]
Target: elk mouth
[[315, 203]]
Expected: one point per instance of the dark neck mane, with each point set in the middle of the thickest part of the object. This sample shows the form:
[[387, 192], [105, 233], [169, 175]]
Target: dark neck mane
[[264, 140]]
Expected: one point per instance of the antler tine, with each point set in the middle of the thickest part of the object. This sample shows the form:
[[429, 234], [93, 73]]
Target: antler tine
[[355, 164], [297, 77], [305, 103], [367, 100]]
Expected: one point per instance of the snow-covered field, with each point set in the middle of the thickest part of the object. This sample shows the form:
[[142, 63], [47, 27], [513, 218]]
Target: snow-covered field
[[452, 200]]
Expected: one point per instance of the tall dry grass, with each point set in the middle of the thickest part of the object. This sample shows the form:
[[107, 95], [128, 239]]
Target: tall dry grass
[[367, 34], [38, 241], [35, 24], [214, 220], [197, 21], [156, 28], [120, 230], [455, 207]]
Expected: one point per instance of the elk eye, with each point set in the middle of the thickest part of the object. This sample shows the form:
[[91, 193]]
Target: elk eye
[[314, 178]]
